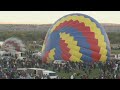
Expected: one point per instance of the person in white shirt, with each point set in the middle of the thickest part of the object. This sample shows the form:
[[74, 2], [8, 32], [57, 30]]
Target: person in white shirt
[[116, 67], [72, 77], [28, 76]]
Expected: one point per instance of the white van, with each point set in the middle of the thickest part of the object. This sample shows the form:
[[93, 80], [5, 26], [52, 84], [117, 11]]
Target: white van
[[21, 58], [40, 72], [21, 69], [51, 74], [35, 71]]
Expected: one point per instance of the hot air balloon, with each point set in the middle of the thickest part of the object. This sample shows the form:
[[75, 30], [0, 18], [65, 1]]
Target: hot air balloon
[[13, 44], [76, 38]]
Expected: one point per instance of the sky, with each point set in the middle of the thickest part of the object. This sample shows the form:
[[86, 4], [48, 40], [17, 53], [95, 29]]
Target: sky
[[49, 17]]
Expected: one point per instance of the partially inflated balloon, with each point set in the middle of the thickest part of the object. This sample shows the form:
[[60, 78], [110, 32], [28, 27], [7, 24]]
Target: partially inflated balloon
[[13, 44], [76, 37]]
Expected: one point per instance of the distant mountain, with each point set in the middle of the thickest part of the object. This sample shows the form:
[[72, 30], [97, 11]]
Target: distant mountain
[[109, 27], [27, 27]]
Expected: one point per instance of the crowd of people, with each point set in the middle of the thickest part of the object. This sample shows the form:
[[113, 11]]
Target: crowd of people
[[9, 66], [109, 70]]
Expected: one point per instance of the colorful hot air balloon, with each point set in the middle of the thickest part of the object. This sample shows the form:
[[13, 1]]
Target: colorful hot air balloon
[[76, 37]]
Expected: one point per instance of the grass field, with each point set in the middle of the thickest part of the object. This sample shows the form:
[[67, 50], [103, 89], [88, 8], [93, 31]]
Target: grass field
[[94, 73]]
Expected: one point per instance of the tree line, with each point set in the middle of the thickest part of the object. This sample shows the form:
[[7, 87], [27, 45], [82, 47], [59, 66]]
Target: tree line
[[28, 36]]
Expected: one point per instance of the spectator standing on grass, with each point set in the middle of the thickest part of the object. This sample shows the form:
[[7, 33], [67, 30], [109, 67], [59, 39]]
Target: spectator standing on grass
[[58, 77], [72, 77], [48, 77], [45, 77], [59, 67], [115, 76], [36, 77], [112, 67], [116, 68], [100, 66], [79, 64], [90, 70], [5, 76], [1, 73], [118, 76], [65, 68]]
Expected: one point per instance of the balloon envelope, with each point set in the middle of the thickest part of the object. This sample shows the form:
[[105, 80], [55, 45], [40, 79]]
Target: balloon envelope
[[78, 38], [13, 44]]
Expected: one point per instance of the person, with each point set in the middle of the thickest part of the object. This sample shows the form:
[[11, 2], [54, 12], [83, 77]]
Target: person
[[20, 77], [36, 77], [81, 77], [48, 77], [28, 76], [1, 72], [72, 77], [58, 77], [59, 67], [116, 68], [45, 76], [118, 76], [102, 77], [5, 76]]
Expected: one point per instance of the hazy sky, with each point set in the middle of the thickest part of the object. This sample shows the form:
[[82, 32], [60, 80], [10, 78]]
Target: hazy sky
[[48, 17]]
